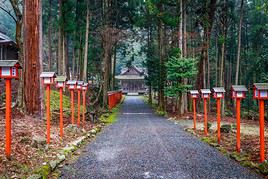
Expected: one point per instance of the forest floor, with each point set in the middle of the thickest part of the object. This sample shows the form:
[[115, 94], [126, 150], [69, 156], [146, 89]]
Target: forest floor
[[249, 132], [25, 157], [250, 144]]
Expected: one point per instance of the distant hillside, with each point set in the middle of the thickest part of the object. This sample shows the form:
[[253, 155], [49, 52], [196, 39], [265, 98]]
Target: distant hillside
[[7, 24]]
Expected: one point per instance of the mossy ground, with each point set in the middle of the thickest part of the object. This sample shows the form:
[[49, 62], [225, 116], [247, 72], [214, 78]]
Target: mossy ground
[[66, 103], [111, 117]]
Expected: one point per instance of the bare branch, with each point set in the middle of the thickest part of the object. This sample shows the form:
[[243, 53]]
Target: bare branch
[[9, 13]]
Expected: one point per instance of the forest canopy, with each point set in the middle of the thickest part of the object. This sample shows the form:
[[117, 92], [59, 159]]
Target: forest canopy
[[218, 43]]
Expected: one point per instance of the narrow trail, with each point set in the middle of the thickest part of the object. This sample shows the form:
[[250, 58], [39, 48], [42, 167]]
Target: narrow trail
[[143, 145]]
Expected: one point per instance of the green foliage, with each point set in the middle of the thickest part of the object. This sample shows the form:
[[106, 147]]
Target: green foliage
[[179, 69]]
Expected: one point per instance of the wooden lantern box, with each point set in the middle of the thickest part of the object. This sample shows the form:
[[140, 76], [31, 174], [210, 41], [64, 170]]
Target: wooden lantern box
[[205, 93], [9, 69], [48, 77], [260, 91], [72, 84], [218, 92], [239, 91], [85, 86], [194, 94], [61, 81], [79, 85]]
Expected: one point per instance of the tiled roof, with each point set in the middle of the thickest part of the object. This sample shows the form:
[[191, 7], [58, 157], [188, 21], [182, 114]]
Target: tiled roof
[[261, 86], [219, 90], [9, 63], [239, 88], [129, 77], [71, 82], [61, 78], [48, 74], [194, 92], [205, 91]]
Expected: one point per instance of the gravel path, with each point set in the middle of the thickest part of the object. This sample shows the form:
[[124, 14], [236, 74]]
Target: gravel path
[[143, 145]]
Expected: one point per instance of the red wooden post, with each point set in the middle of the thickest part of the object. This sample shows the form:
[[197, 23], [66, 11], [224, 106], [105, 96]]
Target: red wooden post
[[8, 70], [205, 117], [219, 120], [261, 93], [262, 143], [84, 107], [48, 112], [194, 110], [78, 108], [61, 114], [72, 105], [238, 124], [238, 93], [218, 93], [8, 117], [48, 79]]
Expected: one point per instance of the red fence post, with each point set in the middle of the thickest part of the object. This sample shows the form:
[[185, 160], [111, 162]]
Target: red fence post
[[219, 119], [262, 145], [78, 107], [238, 124], [8, 117], [194, 109], [205, 117], [48, 113], [61, 114]]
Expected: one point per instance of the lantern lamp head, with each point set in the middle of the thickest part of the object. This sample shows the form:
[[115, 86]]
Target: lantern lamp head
[[61, 81], [79, 85], [194, 94], [71, 84], [239, 91], [260, 91], [218, 92], [205, 93], [48, 77], [85, 86], [9, 69]]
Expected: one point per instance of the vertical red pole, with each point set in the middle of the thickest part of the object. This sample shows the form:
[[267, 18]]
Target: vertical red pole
[[194, 109], [61, 114], [8, 118], [78, 108], [72, 105], [48, 113], [219, 119], [84, 107], [205, 117], [238, 124], [262, 151]]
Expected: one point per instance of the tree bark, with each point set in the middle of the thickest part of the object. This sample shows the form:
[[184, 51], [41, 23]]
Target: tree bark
[[86, 44], [49, 36], [32, 54], [239, 43], [162, 70]]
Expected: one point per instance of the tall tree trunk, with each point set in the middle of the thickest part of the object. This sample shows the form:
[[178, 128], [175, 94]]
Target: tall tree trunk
[[32, 54], [239, 43], [49, 35], [201, 81], [60, 40], [185, 81], [64, 54], [86, 44], [161, 106], [73, 63], [114, 67]]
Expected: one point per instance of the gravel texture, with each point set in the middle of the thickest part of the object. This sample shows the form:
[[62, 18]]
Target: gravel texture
[[144, 145]]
